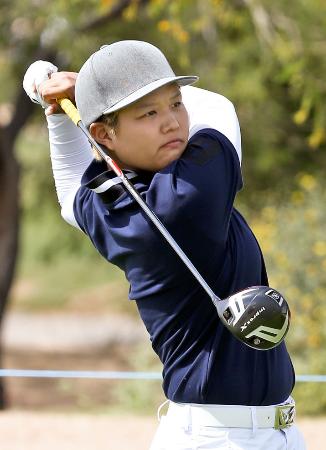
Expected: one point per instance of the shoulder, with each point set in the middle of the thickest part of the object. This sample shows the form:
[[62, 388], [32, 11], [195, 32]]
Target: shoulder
[[206, 144], [207, 109]]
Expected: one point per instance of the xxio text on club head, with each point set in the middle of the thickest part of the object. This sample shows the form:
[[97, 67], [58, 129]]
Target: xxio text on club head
[[258, 316]]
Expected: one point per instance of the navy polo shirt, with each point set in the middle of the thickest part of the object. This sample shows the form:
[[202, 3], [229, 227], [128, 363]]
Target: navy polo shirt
[[193, 196]]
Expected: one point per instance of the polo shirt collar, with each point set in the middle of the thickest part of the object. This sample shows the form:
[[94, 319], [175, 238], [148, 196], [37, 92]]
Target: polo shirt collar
[[105, 182]]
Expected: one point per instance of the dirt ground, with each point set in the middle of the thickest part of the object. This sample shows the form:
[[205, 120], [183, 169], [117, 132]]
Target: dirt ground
[[48, 431]]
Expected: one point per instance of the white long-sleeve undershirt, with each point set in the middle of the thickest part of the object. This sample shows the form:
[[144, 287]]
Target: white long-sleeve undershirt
[[71, 152], [208, 109]]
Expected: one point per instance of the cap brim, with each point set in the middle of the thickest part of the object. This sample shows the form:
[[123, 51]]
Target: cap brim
[[140, 93]]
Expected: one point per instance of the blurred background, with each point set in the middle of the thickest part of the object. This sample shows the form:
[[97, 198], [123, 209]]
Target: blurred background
[[62, 306]]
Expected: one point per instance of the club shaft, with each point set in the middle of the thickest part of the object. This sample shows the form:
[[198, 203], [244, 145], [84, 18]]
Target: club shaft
[[159, 225], [71, 110]]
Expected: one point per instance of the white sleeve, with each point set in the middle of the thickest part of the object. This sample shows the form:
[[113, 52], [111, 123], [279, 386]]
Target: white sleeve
[[208, 109], [70, 155]]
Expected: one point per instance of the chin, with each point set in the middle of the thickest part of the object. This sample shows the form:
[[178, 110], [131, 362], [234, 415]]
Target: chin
[[167, 162], [171, 158]]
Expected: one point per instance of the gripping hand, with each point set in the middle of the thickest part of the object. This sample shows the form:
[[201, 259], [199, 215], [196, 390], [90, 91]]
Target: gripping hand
[[37, 72]]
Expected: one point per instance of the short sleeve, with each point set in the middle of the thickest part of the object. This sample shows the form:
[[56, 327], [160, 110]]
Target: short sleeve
[[197, 192]]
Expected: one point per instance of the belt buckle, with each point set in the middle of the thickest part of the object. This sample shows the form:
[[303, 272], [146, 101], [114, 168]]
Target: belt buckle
[[284, 416]]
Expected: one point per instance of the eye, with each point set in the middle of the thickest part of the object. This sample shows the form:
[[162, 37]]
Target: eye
[[177, 104], [149, 113]]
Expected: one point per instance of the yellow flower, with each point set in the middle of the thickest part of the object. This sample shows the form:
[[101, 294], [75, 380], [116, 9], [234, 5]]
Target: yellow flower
[[216, 2], [308, 182], [107, 4], [164, 26], [182, 36], [317, 138], [265, 233], [313, 340], [130, 13], [319, 248], [300, 116]]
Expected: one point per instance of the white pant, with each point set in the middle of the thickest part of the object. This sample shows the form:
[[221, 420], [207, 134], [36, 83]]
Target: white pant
[[176, 434]]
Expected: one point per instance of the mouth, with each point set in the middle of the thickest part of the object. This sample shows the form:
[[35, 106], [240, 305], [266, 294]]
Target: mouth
[[173, 143]]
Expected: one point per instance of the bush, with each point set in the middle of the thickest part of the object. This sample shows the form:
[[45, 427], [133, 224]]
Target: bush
[[293, 240]]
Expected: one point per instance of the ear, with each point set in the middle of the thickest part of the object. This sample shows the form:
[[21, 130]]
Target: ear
[[101, 133]]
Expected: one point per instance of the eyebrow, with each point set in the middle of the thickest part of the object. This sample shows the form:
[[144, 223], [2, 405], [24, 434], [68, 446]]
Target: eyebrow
[[149, 105]]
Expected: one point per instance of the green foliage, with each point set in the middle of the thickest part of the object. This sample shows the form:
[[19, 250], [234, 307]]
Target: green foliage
[[293, 241], [137, 396], [264, 57], [292, 236], [269, 59]]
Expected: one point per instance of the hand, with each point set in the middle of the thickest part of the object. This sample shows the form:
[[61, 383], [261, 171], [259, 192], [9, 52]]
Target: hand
[[37, 72], [59, 85], [43, 84]]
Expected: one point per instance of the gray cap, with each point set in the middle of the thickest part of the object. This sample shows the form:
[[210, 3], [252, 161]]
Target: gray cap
[[119, 74]]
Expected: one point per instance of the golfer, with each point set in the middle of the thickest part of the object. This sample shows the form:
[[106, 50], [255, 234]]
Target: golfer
[[181, 148]]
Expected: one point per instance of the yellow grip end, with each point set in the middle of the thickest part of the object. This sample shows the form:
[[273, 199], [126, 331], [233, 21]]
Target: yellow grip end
[[70, 109]]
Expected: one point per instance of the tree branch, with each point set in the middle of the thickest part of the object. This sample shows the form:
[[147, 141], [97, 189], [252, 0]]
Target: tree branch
[[114, 13], [23, 107], [262, 22]]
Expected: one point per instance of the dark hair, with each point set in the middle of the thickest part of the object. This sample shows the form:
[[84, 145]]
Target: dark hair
[[111, 120]]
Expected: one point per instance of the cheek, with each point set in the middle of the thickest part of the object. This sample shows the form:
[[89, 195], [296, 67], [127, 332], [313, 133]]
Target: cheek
[[135, 146], [144, 138], [185, 121]]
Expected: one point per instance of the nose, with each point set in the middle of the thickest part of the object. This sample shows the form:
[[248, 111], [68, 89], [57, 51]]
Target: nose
[[170, 122]]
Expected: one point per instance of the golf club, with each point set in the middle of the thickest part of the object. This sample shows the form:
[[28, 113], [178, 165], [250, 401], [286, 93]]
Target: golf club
[[258, 316]]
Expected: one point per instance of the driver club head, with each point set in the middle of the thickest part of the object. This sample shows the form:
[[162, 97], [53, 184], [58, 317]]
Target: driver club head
[[258, 316]]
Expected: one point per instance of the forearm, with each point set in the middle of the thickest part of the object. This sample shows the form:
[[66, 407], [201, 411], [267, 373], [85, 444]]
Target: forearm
[[70, 155]]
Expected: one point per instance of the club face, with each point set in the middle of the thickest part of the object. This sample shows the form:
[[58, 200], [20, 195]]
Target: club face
[[258, 316]]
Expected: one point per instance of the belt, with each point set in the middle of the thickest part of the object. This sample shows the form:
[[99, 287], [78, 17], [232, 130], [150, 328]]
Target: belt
[[232, 416]]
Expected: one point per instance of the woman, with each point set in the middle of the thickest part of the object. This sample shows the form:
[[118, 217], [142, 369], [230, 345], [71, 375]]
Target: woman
[[181, 147]]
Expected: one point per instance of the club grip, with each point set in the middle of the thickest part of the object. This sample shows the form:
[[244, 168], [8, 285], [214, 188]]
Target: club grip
[[70, 109]]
